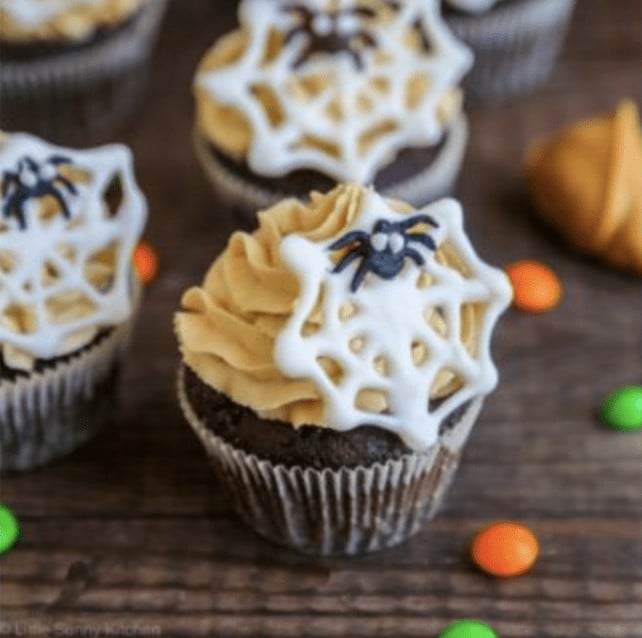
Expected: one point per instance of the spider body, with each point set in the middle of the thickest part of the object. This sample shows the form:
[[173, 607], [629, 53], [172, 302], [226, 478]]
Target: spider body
[[383, 251], [33, 180], [331, 33]]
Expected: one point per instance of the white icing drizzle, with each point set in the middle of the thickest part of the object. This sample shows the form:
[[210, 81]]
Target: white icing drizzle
[[67, 245], [31, 13], [278, 150], [472, 6], [391, 316]]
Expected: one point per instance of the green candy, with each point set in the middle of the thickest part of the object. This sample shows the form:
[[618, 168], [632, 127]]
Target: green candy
[[9, 529], [468, 629], [622, 410]]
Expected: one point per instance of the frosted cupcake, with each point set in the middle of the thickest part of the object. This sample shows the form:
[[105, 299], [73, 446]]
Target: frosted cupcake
[[334, 362], [74, 70], [515, 42], [307, 94], [70, 221]]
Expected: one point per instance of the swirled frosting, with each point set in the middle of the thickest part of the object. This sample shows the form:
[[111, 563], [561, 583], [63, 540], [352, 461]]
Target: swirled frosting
[[66, 20], [70, 221], [336, 87], [278, 326], [586, 181]]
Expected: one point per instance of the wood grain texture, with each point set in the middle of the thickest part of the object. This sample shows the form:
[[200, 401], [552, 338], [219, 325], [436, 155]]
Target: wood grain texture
[[130, 535]]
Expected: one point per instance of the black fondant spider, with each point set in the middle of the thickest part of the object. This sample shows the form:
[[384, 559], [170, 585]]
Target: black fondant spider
[[327, 33], [33, 180], [384, 250]]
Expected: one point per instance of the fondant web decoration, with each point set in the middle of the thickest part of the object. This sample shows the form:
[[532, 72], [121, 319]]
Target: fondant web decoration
[[31, 13], [342, 112], [377, 354], [49, 256]]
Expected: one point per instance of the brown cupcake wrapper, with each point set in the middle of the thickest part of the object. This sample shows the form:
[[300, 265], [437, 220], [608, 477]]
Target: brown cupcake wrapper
[[49, 414], [346, 511], [515, 44], [82, 95], [435, 181]]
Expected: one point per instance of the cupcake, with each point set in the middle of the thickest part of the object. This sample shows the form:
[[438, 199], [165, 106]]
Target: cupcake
[[310, 93], [70, 221], [515, 42], [74, 70], [334, 362]]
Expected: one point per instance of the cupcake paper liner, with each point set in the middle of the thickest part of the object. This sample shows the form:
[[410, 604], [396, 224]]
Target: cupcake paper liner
[[345, 511], [49, 414], [435, 181], [515, 44], [82, 95]]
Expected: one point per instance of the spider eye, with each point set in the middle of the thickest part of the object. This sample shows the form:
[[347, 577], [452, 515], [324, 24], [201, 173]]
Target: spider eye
[[396, 242], [379, 241], [48, 172], [346, 24], [28, 178], [322, 24]]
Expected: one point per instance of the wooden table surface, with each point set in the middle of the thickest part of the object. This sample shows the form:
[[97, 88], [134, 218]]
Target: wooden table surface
[[131, 536]]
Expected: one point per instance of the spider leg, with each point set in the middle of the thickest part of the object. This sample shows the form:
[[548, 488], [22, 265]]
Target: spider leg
[[66, 213], [359, 276], [13, 206], [426, 240], [349, 238], [418, 219], [303, 55], [415, 256], [347, 259], [59, 159], [69, 185], [8, 180]]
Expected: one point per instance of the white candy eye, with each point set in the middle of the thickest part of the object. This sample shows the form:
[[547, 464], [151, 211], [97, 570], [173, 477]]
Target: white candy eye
[[346, 25], [379, 241], [396, 242], [48, 172], [322, 24], [28, 178]]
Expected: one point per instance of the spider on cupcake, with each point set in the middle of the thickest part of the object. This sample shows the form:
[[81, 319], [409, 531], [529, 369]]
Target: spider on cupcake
[[385, 249], [33, 180]]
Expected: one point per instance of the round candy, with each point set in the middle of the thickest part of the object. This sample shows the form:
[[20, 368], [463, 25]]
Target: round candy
[[622, 410], [146, 261], [504, 549], [9, 529], [536, 288], [468, 629]]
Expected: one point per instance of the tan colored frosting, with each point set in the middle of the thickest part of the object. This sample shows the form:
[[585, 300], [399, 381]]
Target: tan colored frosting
[[228, 326], [73, 23], [229, 130], [586, 181]]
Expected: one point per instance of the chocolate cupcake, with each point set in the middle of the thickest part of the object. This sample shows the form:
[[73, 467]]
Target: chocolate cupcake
[[307, 94], [68, 294], [334, 362], [74, 70], [515, 42]]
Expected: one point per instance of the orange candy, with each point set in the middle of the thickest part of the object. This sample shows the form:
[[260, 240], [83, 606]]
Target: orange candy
[[536, 288], [504, 549], [146, 261]]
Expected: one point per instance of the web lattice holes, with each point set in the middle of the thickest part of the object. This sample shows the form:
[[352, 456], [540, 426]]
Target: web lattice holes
[[60, 278]]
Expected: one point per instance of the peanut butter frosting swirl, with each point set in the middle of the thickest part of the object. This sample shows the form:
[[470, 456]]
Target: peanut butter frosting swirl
[[28, 21], [258, 311], [586, 181]]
